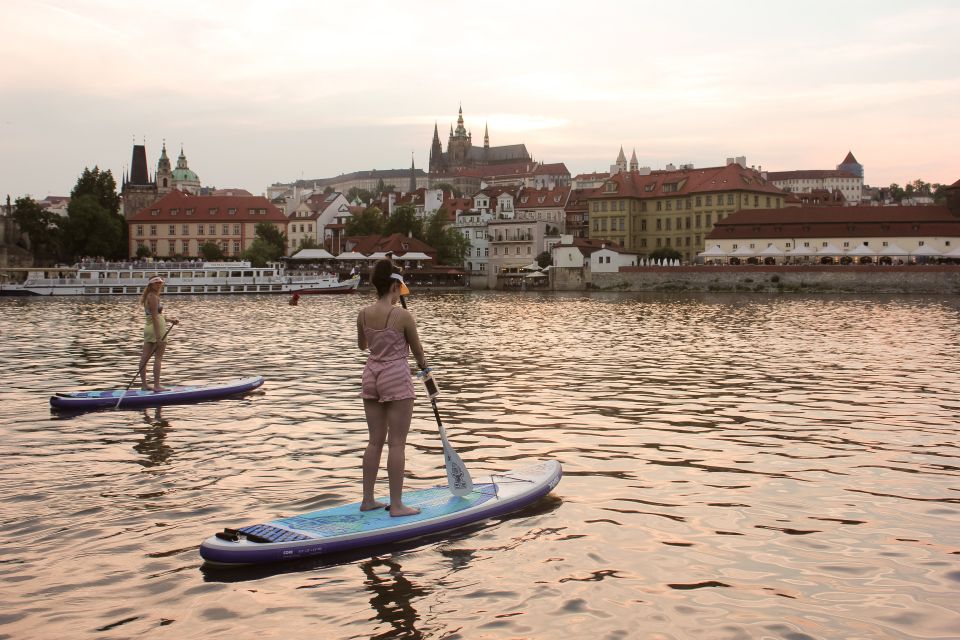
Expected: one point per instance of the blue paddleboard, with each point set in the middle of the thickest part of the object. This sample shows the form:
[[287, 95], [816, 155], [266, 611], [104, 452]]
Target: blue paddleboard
[[346, 527], [139, 398]]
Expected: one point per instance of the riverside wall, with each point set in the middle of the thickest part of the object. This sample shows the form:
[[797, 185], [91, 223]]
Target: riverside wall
[[901, 279]]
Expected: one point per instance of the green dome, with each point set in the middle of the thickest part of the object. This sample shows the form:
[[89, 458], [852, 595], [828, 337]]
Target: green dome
[[185, 175]]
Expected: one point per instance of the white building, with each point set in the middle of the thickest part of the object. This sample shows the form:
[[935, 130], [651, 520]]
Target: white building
[[473, 225], [847, 178], [609, 259]]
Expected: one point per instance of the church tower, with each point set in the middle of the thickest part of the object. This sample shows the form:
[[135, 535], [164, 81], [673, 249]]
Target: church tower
[[184, 178], [621, 164], [164, 175], [413, 176], [138, 191], [436, 152], [460, 143], [850, 164], [634, 165]]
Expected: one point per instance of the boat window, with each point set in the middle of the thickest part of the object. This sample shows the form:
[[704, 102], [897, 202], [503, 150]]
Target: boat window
[[248, 274], [223, 274], [235, 274], [268, 273]]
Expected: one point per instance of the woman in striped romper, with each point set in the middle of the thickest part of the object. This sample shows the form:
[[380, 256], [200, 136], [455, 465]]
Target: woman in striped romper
[[390, 333]]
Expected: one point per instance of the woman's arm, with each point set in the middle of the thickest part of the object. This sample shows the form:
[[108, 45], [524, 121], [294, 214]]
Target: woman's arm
[[413, 339], [361, 337]]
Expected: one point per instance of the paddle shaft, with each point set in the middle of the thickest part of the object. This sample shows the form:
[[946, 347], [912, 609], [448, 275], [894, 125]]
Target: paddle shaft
[[143, 367], [458, 477]]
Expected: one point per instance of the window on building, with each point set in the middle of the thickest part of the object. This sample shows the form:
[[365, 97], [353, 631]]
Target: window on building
[[659, 224], [213, 211], [231, 212], [226, 229], [643, 225], [643, 206], [236, 229], [708, 219], [174, 212], [729, 198], [669, 224], [153, 229], [709, 201], [213, 229], [659, 206], [184, 229], [189, 212], [486, 252], [140, 230], [200, 229], [184, 247], [669, 205], [172, 230]]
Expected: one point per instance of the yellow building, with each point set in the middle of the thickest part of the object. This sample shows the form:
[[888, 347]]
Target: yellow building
[[179, 224], [676, 209]]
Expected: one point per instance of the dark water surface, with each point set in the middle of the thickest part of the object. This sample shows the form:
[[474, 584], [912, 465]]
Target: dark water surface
[[735, 467]]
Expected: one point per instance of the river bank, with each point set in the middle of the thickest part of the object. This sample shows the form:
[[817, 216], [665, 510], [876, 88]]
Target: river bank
[[900, 279]]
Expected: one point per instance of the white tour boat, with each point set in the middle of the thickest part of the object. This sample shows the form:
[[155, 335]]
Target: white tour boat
[[129, 278]]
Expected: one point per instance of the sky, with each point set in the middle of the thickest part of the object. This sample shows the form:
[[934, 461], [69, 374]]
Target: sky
[[264, 92]]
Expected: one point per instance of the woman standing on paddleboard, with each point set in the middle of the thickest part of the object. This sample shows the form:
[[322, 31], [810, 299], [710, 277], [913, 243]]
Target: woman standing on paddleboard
[[154, 332], [390, 333]]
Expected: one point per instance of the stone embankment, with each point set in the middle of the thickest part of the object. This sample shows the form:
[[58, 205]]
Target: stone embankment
[[900, 279]]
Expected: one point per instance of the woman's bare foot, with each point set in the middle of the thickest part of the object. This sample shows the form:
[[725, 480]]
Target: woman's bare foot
[[370, 506], [144, 387], [159, 389], [403, 510]]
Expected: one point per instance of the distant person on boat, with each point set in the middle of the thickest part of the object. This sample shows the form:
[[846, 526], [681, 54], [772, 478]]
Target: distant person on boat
[[154, 333], [390, 333]]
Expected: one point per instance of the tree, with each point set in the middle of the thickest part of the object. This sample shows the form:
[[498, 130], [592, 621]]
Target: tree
[[368, 223], [260, 252], [271, 235], [446, 186], [896, 192], [356, 193], [143, 251], [380, 188], [451, 245], [404, 220], [100, 185], [545, 259], [40, 226], [665, 253], [210, 251], [328, 189], [92, 230], [309, 243]]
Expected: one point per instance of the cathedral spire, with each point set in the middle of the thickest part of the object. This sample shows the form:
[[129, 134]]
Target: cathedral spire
[[413, 175], [486, 136]]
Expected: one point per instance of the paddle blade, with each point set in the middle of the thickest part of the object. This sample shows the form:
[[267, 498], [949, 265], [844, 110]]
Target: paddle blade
[[458, 477]]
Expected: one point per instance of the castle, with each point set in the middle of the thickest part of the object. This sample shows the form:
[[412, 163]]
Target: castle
[[462, 154]]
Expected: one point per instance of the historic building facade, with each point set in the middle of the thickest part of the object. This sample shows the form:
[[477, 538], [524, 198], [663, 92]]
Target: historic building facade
[[675, 209], [462, 154], [846, 178], [179, 223]]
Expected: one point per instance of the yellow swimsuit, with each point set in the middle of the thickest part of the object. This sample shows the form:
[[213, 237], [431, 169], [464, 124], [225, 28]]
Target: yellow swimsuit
[[148, 334]]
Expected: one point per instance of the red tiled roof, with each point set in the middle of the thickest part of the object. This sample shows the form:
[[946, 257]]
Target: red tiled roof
[[821, 222], [202, 206], [598, 175], [588, 245], [849, 159], [230, 192], [542, 198], [731, 177], [556, 168], [394, 242]]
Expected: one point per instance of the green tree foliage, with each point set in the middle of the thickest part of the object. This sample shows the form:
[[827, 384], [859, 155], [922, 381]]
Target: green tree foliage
[[446, 186], [896, 192], [404, 220], [92, 230], [260, 252], [665, 253], [368, 223], [451, 245], [143, 251], [356, 193], [309, 243], [272, 235], [545, 259], [210, 251], [100, 185], [268, 245], [40, 226]]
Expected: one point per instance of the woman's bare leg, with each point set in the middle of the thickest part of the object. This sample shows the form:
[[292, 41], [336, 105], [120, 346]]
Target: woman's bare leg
[[145, 354], [377, 427], [399, 414], [157, 363]]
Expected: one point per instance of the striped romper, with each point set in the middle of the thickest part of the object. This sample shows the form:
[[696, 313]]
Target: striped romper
[[386, 376]]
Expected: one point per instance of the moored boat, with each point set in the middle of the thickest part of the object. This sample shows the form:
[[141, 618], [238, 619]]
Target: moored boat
[[129, 278]]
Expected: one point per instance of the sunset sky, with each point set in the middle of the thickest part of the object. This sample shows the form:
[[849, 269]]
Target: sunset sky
[[260, 92]]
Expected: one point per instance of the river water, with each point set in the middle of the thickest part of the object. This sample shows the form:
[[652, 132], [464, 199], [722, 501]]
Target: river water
[[734, 467]]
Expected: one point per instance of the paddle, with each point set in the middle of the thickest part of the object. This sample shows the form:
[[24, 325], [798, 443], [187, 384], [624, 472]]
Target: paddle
[[141, 369], [458, 477]]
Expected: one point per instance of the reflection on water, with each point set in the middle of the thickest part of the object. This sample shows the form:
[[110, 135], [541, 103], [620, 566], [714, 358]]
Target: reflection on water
[[734, 467]]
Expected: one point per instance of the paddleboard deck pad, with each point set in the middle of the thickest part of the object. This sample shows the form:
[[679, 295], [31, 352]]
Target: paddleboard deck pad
[[346, 527], [139, 398]]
